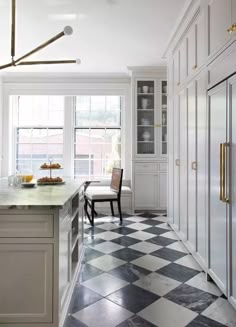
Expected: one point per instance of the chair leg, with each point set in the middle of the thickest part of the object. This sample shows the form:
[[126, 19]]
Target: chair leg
[[119, 209], [86, 210], [95, 212], [112, 209], [92, 213]]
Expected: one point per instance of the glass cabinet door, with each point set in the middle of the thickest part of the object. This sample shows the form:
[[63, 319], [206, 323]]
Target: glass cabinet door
[[163, 118], [145, 117]]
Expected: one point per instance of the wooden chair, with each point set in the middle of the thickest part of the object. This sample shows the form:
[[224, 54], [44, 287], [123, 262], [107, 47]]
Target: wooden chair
[[94, 195]]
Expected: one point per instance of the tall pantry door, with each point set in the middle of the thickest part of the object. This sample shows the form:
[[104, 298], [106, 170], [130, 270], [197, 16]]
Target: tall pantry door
[[217, 208], [176, 162]]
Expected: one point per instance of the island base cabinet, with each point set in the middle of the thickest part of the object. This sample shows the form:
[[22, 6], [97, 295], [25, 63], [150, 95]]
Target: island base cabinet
[[26, 284]]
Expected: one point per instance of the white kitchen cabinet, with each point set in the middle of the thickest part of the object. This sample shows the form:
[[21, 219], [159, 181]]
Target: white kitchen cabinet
[[30, 299], [192, 164], [183, 164], [233, 13], [219, 14], [146, 191], [176, 68], [218, 220], [162, 191], [192, 49], [176, 141], [183, 61], [202, 151]]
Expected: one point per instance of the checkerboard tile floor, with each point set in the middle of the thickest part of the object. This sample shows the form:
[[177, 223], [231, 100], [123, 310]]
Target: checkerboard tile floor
[[139, 274]]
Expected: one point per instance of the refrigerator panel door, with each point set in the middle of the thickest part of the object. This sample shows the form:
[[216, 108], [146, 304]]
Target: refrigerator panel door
[[176, 163], [218, 217]]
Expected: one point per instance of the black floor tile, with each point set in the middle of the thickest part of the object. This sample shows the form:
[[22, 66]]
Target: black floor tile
[[168, 254], [125, 222], [124, 215], [148, 215], [129, 272], [178, 272], [156, 230], [160, 240], [82, 297], [133, 298], [93, 230], [88, 271], [136, 321], [124, 230], [127, 254], [201, 321], [191, 298], [125, 241], [91, 254], [72, 322], [90, 240], [152, 222]]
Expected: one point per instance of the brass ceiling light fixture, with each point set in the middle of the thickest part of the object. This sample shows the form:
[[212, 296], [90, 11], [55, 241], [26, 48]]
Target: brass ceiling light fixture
[[20, 61]]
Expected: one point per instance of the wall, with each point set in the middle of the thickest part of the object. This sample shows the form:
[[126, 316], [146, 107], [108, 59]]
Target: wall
[[64, 84], [1, 124]]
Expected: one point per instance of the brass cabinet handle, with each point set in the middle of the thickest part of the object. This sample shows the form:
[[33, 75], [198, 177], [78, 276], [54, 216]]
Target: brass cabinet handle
[[221, 174], [194, 165], [194, 67], [225, 172], [177, 162], [157, 125], [232, 28]]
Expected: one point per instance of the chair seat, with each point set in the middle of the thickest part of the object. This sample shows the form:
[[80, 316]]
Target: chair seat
[[96, 194], [124, 189]]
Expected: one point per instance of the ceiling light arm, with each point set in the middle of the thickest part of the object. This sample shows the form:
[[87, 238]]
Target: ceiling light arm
[[47, 62], [13, 28], [7, 65]]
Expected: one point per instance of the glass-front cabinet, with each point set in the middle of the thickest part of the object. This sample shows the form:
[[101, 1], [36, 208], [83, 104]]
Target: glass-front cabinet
[[151, 118], [145, 117]]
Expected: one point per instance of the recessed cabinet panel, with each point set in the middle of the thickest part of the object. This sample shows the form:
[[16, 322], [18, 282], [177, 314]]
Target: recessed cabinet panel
[[163, 190], [146, 188], [176, 162], [201, 166], [192, 60], [234, 13], [192, 166], [183, 164], [26, 282], [219, 22], [183, 60], [176, 68], [201, 41]]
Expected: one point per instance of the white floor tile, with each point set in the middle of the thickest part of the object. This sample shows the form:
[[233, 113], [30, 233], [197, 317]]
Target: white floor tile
[[145, 247], [142, 235], [108, 236], [161, 218], [189, 262], [164, 226], [107, 247], [178, 246], [103, 313], [200, 281], [139, 226], [150, 262], [170, 235], [106, 262], [221, 311], [108, 226], [105, 284], [157, 283], [165, 313], [136, 219]]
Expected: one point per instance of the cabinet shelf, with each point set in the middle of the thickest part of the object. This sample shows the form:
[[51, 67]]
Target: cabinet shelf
[[150, 109], [145, 141], [145, 94], [145, 125]]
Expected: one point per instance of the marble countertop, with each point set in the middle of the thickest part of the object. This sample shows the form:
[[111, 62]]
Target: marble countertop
[[46, 196]]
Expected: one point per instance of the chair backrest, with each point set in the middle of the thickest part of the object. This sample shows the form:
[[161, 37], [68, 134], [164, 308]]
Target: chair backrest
[[116, 179]]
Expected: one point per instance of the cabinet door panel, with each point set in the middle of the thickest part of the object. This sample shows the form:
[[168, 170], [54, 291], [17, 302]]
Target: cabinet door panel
[[176, 68], [192, 60], [232, 93], [201, 165], [192, 165], [219, 21], [163, 190], [233, 13], [26, 283], [146, 188], [183, 60], [176, 162], [201, 41], [218, 220], [183, 164]]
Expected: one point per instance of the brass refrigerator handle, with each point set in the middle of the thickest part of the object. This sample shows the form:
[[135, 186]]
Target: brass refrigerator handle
[[225, 172], [194, 165], [221, 195]]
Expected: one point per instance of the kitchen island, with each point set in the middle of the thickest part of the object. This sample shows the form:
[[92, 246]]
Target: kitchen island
[[41, 246]]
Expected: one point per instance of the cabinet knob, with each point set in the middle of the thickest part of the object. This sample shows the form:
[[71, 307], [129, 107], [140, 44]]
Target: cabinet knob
[[232, 28], [194, 67], [194, 165]]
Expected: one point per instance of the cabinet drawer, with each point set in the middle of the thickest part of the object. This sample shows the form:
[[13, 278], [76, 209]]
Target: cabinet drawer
[[145, 167], [26, 225], [163, 166]]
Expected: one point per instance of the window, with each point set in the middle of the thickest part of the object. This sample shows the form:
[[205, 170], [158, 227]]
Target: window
[[39, 124], [97, 135]]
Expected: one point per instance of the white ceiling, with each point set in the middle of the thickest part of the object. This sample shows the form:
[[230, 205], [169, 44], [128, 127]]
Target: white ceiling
[[109, 35]]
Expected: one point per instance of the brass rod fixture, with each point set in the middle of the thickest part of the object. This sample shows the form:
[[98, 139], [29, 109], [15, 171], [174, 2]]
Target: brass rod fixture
[[15, 62]]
